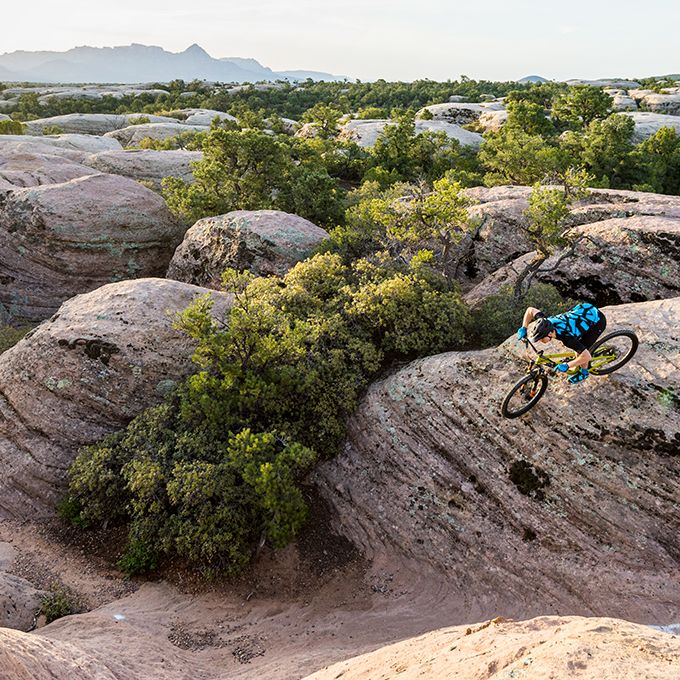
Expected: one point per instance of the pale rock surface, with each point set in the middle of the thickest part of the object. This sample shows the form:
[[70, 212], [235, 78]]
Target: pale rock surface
[[30, 169], [205, 116], [308, 131], [648, 123], [146, 164], [493, 120], [19, 603], [622, 260], [134, 134], [662, 103], [366, 132], [58, 240], [75, 147], [265, 242], [623, 102], [430, 479], [95, 365], [5, 117], [606, 82], [545, 648], [91, 123], [460, 113]]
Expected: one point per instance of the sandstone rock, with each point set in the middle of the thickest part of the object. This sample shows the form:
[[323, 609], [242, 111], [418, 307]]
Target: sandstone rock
[[59, 240], [19, 603], [502, 239], [545, 648], [662, 103], [134, 134], [493, 120], [623, 102], [457, 98], [606, 82], [29, 169], [146, 164], [5, 117], [91, 123], [366, 132], [30, 656], [571, 507], [97, 363], [623, 260], [266, 242], [648, 124], [205, 116], [75, 147], [459, 113], [308, 131]]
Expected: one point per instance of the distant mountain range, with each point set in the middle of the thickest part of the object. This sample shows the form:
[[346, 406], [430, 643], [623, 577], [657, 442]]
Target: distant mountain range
[[139, 63]]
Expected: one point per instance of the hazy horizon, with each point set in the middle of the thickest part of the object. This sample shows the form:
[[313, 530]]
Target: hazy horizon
[[391, 40]]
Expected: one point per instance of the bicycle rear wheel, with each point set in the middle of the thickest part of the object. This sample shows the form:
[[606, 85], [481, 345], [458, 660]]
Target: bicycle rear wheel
[[524, 395], [612, 351]]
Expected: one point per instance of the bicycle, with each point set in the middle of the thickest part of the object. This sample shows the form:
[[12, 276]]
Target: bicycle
[[609, 353]]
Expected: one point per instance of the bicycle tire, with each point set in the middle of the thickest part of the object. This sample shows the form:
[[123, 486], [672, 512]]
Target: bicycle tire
[[607, 368], [505, 406]]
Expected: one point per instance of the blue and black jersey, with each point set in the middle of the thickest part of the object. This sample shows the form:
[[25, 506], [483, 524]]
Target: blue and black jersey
[[579, 328]]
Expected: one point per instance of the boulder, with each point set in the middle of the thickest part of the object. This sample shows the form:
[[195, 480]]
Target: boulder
[[205, 116], [621, 260], [501, 240], [75, 147], [623, 102], [572, 507], [5, 117], [366, 132], [30, 169], [146, 164], [265, 242], [19, 603], [96, 364], [662, 103], [544, 648], [493, 120], [134, 134], [459, 113], [58, 240], [91, 123], [648, 124]]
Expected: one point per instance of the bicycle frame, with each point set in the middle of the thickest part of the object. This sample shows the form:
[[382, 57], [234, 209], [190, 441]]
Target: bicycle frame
[[551, 360]]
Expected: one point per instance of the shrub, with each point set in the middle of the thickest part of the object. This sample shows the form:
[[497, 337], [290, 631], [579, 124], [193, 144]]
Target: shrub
[[10, 335], [57, 604], [500, 315], [217, 469], [52, 130], [11, 127]]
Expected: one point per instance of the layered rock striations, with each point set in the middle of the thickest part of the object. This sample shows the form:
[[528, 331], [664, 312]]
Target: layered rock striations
[[58, 240], [102, 359]]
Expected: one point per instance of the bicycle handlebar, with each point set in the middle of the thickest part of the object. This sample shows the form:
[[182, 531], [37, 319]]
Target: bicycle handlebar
[[539, 352]]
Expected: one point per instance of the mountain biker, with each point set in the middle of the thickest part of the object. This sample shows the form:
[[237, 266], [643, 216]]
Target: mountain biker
[[577, 329]]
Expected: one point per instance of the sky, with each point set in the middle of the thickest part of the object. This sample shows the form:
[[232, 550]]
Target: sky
[[370, 39]]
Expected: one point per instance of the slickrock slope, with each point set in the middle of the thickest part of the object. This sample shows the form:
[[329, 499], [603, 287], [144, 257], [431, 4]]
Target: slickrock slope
[[434, 477], [621, 260], [146, 164], [75, 147], [59, 240], [27, 657], [264, 242], [546, 648], [92, 123], [88, 371]]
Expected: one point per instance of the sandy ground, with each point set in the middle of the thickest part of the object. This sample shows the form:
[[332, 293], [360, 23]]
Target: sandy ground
[[298, 611]]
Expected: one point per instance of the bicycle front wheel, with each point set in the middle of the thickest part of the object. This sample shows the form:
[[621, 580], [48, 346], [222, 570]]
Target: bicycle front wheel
[[612, 351], [524, 395]]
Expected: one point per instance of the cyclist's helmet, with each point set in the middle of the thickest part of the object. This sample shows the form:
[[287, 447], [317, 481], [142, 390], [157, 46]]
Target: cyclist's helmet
[[539, 329]]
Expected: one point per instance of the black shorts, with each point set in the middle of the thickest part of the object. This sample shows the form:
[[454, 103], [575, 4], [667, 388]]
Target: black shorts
[[589, 338]]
